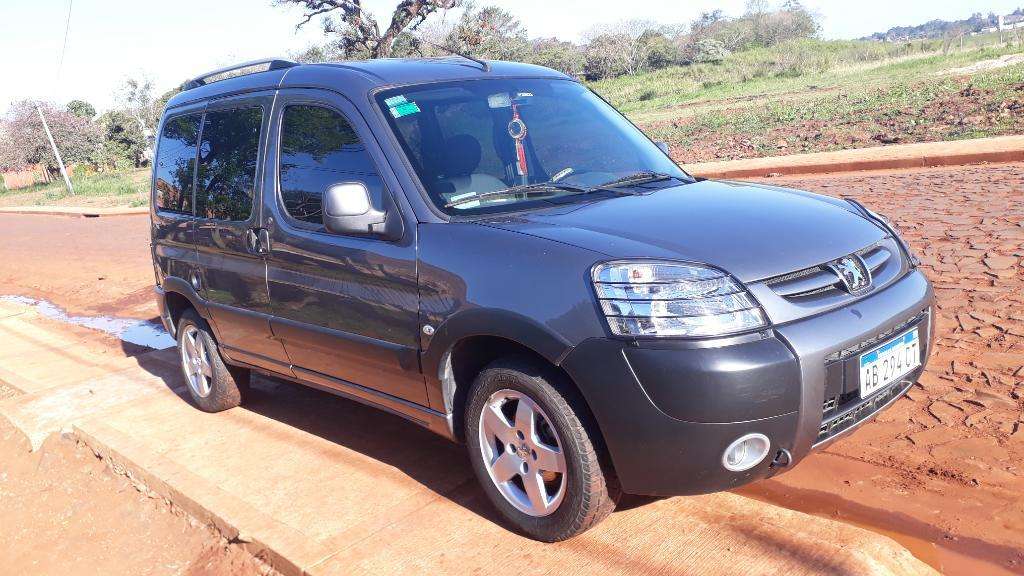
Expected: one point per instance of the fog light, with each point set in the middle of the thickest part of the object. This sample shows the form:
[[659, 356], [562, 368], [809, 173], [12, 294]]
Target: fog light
[[746, 452]]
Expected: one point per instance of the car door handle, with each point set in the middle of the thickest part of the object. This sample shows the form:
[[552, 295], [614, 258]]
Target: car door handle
[[263, 235], [257, 241]]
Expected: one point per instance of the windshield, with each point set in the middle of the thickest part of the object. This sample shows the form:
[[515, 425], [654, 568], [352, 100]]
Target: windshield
[[543, 139]]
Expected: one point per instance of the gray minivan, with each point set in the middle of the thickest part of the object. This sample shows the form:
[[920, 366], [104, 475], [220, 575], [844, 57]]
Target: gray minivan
[[492, 251]]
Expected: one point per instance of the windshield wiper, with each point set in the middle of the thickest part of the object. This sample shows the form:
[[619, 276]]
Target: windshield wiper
[[538, 188], [643, 177]]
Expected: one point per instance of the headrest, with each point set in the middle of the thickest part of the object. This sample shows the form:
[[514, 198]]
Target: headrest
[[462, 155]]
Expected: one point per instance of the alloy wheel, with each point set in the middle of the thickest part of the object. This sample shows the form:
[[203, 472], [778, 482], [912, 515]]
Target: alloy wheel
[[195, 360], [522, 453]]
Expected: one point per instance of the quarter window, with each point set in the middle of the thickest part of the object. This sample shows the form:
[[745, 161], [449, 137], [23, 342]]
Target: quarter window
[[228, 154], [175, 164], [319, 148]]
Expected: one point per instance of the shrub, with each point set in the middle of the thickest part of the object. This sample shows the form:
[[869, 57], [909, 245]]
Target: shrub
[[710, 50]]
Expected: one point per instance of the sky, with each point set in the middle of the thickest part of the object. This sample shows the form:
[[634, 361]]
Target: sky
[[167, 42]]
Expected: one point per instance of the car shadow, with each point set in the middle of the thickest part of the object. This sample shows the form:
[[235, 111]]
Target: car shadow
[[432, 461]]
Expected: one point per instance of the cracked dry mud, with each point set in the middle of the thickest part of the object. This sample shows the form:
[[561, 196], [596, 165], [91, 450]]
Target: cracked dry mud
[[947, 465]]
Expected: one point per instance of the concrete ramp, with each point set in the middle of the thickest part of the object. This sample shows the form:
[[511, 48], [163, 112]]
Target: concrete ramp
[[316, 484]]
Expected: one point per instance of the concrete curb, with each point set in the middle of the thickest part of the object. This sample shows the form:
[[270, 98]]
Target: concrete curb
[[286, 549], [920, 155], [75, 211]]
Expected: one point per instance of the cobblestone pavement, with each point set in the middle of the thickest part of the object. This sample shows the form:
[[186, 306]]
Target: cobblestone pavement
[[962, 435]]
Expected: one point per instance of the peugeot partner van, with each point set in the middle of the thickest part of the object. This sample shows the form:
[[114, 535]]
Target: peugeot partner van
[[493, 252]]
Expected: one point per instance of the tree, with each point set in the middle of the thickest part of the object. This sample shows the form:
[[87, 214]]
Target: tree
[[82, 108], [630, 39], [357, 30], [661, 51], [489, 32], [124, 143], [327, 52], [565, 57], [25, 143], [604, 56], [136, 99]]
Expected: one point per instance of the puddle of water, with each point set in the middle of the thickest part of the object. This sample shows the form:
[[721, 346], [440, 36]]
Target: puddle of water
[[941, 557], [139, 332]]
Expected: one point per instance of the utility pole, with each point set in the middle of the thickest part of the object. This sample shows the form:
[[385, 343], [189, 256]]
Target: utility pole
[[56, 153]]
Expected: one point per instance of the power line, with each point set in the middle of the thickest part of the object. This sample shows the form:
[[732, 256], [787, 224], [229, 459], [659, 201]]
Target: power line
[[39, 108], [64, 46]]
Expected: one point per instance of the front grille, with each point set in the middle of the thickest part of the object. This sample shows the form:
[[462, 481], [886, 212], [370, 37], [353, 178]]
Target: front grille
[[818, 282], [858, 412]]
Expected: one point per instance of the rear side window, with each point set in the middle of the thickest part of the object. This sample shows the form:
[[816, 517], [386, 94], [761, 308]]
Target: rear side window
[[175, 164], [318, 148], [228, 155]]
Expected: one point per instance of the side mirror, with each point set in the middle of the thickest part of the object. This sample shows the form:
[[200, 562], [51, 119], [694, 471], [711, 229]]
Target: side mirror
[[663, 146], [348, 210]]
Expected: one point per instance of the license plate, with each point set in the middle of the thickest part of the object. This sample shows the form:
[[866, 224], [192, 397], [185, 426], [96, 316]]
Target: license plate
[[889, 362]]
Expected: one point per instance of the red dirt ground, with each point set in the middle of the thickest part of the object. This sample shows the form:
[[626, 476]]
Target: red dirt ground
[[969, 112], [941, 471], [89, 266], [65, 512]]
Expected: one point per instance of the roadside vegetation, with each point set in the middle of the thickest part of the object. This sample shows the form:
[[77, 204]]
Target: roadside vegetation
[[97, 190], [721, 87], [810, 95]]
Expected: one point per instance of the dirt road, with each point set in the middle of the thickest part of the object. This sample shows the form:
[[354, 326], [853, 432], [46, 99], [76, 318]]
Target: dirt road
[[940, 472], [98, 266]]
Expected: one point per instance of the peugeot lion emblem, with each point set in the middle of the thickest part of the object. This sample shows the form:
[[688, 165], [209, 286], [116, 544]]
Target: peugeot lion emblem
[[852, 273]]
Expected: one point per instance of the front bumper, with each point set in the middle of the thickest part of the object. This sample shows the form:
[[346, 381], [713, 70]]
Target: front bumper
[[668, 409]]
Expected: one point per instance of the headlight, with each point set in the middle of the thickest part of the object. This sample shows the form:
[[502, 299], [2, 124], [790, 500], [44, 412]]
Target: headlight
[[659, 298]]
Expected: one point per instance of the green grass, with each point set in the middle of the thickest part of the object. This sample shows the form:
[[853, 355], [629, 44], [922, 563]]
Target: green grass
[[107, 188], [815, 95], [795, 69]]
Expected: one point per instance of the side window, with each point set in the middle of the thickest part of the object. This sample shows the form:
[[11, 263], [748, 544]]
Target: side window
[[175, 163], [318, 148], [228, 153]]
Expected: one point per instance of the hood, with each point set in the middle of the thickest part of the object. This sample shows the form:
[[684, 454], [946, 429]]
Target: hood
[[749, 230]]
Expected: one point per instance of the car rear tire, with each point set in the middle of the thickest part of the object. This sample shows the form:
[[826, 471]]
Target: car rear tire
[[533, 450], [213, 385]]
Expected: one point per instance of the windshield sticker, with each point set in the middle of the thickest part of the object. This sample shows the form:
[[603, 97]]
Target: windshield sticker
[[499, 100], [404, 109], [395, 101]]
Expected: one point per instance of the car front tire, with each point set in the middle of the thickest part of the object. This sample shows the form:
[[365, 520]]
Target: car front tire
[[533, 450]]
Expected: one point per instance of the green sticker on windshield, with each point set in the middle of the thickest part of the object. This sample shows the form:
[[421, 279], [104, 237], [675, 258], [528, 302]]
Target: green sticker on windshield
[[404, 109], [395, 101]]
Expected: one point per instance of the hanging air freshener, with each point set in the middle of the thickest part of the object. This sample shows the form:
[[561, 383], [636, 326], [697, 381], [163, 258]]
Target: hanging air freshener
[[517, 130]]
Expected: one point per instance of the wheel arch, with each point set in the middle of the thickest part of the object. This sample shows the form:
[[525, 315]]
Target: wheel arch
[[179, 296], [465, 344]]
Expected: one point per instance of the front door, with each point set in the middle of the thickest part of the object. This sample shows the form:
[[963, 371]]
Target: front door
[[345, 307], [233, 269]]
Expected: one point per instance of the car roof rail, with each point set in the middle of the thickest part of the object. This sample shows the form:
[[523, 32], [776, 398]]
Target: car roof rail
[[261, 65]]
